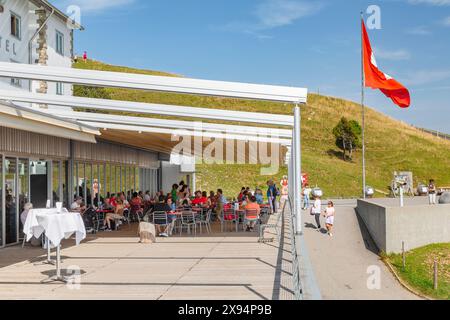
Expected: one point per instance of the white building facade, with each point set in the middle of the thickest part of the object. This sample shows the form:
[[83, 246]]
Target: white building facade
[[35, 32]]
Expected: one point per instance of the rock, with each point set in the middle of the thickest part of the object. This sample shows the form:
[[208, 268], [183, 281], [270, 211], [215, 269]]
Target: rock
[[445, 198]]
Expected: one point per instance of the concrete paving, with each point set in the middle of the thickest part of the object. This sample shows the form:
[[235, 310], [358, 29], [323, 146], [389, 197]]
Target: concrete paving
[[220, 266], [344, 264]]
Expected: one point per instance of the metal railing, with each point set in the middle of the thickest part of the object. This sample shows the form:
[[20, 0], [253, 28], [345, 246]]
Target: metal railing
[[296, 281]]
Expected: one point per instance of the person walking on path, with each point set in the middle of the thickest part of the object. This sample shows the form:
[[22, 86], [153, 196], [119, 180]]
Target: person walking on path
[[432, 192], [316, 211], [329, 217], [306, 194]]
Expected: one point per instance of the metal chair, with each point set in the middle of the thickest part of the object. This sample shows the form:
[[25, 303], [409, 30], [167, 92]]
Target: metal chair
[[205, 219], [251, 215], [228, 216], [136, 211], [188, 221], [160, 219]]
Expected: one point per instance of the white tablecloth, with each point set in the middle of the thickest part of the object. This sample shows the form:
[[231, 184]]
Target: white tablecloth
[[57, 226]]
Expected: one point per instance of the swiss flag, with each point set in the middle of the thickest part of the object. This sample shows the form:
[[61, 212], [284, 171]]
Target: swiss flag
[[376, 79]]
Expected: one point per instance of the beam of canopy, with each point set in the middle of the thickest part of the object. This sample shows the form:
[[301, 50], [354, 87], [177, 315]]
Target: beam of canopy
[[155, 83], [147, 108]]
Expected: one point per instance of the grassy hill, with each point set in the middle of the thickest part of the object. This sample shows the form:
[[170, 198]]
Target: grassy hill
[[391, 145]]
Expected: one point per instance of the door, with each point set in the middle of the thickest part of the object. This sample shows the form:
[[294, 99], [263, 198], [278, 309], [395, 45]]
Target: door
[[39, 183]]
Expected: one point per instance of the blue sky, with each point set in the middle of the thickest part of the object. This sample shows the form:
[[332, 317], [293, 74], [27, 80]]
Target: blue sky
[[313, 44]]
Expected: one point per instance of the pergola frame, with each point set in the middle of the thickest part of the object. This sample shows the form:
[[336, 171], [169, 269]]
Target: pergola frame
[[295, 96]]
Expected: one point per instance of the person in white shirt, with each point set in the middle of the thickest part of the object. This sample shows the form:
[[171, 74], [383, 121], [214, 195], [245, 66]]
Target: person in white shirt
[[329, 216], [316, 210], [306, 194], [77, 206]]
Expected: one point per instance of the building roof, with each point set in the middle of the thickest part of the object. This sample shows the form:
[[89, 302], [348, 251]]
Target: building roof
[[28, 119], [46, 4]]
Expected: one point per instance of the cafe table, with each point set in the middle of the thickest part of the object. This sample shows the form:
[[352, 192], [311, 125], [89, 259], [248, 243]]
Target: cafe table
[[57, 225]]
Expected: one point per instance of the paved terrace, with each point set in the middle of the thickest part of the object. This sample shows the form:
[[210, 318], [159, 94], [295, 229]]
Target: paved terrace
[[115, 266]]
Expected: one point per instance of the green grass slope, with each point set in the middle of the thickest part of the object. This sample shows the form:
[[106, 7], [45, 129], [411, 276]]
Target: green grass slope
[[391, 145]]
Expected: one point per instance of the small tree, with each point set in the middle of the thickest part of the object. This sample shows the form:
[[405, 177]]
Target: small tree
[[348, 136]]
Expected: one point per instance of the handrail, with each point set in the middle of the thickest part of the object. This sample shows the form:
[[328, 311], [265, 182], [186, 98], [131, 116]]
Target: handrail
[[296, 280]]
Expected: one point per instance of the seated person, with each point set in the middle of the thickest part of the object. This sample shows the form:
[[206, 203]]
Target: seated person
[[164, 207], [124, 200], [136, 201], [117, 215], [107, 205], [24, 214], [186, 204], [259, 196], [200, 199], [78, 205], [254, 207]]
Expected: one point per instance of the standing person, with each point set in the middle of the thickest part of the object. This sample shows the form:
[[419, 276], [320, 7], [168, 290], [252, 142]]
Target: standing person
[[432, 192], [306, 195], [272, 195], [85, 57], [329, 217], [316, 210], [174, 193], [221, 202]]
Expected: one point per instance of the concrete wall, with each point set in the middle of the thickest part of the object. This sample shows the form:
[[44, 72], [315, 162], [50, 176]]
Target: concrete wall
[[416, 225]]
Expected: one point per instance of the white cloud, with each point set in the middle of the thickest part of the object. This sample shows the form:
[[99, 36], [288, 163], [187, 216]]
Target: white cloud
[[96, 6], [446, 22], [428, 76], [278, 13], [272, 14], [431, 2], [419, 31], [400, 54]]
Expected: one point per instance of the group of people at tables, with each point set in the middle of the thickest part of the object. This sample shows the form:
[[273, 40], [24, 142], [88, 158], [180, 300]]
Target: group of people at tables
[[179, 198]]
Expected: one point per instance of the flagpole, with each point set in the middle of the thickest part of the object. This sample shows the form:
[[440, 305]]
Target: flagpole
[[363, 114]]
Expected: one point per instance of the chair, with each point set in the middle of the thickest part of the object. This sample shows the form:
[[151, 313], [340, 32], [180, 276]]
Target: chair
[[188, 221], [228, 216], [205, 219], [160, 219], [136, 211], [251, 215]]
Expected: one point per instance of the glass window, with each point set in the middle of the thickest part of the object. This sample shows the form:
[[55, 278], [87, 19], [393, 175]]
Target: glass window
[[16, 26], [56, 190], [124, 179], [109, 188], [81, 181], [1, 201], [65, 174], [59, 43], [95, 185], [24, 189], [136, 178], [101, 182], [118, 186], [59, 88], [88, 184], [131, 177], [11, 200]]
